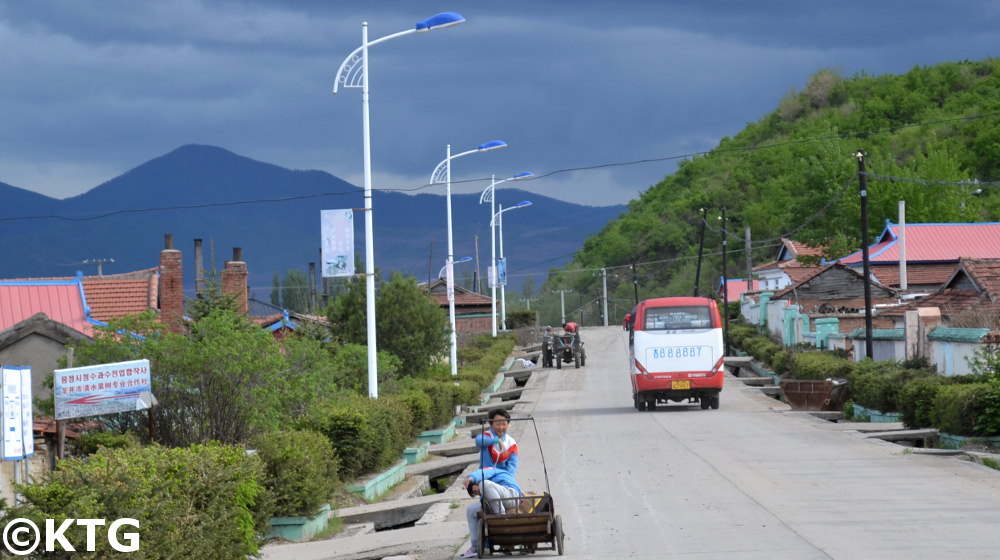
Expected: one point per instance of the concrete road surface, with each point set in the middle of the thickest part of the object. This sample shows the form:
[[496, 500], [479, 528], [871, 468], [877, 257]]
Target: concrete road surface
[[747, 481]]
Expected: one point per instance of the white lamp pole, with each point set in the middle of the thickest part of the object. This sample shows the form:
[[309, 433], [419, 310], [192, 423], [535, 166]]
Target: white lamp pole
[[354, 73], [442, 174], [488, 196], [498, 221]]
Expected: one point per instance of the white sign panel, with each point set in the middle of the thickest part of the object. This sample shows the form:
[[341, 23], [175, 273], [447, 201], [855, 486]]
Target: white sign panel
[[102, 389], [17, 423], [27, 413], [337, 231]]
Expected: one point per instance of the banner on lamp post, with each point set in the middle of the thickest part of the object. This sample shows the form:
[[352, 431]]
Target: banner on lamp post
[[491, 273], [502, 272], [337, 249]]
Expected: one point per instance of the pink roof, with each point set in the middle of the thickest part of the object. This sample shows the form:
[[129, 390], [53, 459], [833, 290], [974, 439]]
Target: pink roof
[[736, 286], [934, 243], [60, 300]]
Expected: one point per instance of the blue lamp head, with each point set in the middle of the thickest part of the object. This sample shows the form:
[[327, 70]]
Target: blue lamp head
[[492, 145], [523, 175], [464, 259], [440, 21], [522, 204]]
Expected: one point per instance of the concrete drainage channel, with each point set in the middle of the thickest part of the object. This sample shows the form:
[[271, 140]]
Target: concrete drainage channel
[[431, 488]]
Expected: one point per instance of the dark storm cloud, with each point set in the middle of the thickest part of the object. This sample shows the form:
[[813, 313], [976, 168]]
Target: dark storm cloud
[[99, 87]]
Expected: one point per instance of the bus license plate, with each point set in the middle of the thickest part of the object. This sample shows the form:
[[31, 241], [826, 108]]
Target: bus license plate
[[680, 384]]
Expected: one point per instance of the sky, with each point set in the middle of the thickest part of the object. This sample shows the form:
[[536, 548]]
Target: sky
[[584, 92]]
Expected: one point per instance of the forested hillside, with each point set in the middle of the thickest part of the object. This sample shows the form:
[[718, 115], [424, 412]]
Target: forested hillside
[[929, 134]]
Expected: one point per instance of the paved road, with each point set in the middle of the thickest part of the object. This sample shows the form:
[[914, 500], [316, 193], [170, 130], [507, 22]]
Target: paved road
[[747, 481]]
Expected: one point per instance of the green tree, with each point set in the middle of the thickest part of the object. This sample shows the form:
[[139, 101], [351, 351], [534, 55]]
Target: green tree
[[220, 382], [411, 325]]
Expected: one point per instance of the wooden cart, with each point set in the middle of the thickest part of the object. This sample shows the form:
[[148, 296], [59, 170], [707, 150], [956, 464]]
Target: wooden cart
[[538, 528], [529, 523]]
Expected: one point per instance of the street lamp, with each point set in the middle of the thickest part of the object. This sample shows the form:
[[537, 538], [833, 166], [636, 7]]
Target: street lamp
[[442, 174], [444, 269], [498, 221], [487, 196], [354, 73]]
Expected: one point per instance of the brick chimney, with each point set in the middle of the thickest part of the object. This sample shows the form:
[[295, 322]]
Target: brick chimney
[[171, 286], [234, 280]]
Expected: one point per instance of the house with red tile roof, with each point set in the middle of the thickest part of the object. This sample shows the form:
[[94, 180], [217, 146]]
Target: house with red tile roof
[[473, 312], [969, 298], [787, 268], [929, 253]]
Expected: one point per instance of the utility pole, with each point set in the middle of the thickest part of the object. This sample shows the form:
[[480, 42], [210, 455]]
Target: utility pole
[[527, 301], [749, 257], [99, 263], [725, 286], [863, 184], [635, 283], [604, 298], [701, 250], [562, 303], [477, 280]]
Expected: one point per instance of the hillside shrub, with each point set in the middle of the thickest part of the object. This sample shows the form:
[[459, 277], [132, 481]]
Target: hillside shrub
[[522, 318], [189, 501], [300, 470]]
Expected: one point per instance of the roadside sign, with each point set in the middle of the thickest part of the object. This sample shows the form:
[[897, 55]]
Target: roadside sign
[[18, 422], [102, 389]]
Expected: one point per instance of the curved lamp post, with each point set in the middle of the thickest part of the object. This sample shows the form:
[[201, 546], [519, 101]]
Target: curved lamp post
[[487, 196], [442, 174], [353, 72], [444, 269], [498, 221]]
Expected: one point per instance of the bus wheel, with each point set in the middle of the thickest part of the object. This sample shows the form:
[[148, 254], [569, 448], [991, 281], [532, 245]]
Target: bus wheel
[[715, 402], [640, 403], [705, 402], [651, 404]]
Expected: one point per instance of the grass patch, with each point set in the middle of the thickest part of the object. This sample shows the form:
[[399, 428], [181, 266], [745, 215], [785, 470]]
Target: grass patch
[[991, 463], [333, 526]]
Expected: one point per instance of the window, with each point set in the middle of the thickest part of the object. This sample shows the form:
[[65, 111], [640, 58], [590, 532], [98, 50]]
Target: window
[[675, 318]]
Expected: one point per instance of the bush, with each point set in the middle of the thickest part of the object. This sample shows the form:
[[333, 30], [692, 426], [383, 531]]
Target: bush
[[878, 385], [345, 423], [818, 365], [916, 401], [522, 318], [86, 444], [960, 409], [189, 501], [420, 406], [367, 435], [300, 468]]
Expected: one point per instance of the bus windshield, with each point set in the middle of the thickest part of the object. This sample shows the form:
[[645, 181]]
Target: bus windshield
[[681, 317]]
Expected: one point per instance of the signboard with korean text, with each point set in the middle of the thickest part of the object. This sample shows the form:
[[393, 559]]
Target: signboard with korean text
[[102, 389], [18, 422], [337, 248]]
